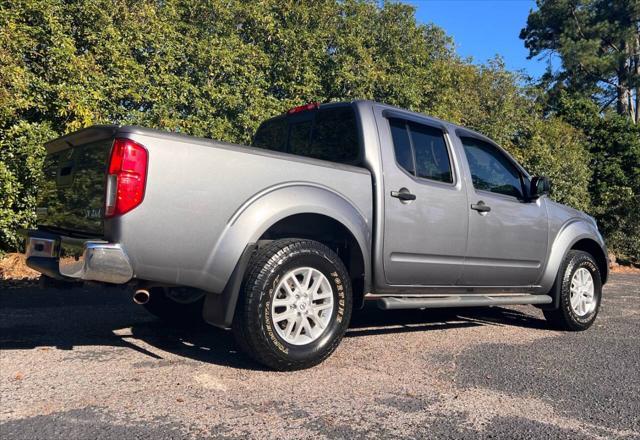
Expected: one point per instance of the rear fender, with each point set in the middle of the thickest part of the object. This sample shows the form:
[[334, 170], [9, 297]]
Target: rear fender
[[263, 210], [255, 216]]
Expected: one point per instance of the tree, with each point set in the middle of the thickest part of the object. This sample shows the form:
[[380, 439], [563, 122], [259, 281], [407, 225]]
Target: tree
[[598, 42], [614, 143]]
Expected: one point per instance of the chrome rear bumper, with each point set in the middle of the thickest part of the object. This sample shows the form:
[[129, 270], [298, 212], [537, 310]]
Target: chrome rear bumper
[[67, 258]]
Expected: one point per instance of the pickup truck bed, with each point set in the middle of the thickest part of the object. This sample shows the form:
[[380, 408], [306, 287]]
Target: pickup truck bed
[[180, 237]]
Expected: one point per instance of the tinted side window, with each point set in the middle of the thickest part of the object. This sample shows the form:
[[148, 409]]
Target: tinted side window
[[272, 135], [421, 150], [490, 169], [432, 157], [299, 137], [328, 134], [335, 136], [402, 144]]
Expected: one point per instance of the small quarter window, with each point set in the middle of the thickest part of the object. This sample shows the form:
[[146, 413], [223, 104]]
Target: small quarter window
[[402, 144]]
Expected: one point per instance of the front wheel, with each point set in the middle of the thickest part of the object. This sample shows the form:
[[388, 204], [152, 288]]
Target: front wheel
[[579, 287], [295, 305]]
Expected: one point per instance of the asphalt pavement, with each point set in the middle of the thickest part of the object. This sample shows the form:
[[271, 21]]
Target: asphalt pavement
[[87, 363]]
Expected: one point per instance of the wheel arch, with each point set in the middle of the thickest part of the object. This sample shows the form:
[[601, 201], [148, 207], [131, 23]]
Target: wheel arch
[[592, 247], [576, 234], [334, 235], [296, 210]]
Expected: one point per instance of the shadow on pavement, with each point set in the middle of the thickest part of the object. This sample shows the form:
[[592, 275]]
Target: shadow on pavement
[[66, 318], [372, 321]]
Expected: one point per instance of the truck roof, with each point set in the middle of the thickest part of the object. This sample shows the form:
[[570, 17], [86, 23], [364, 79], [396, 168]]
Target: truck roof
[[450, 126], [102, 131]]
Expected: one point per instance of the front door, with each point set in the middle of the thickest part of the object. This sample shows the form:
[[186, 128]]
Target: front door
[[507, 240], [425, 206]]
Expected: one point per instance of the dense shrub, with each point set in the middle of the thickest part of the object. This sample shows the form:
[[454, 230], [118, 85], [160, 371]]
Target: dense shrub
[[614, 145], [217, 69]]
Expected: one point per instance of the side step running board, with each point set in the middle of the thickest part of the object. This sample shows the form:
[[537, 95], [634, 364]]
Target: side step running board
[[392, 303]]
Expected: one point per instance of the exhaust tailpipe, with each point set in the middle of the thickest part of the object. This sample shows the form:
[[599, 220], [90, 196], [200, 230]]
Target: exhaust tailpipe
[[141, 296]]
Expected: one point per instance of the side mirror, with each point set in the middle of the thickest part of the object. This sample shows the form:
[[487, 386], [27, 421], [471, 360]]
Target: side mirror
[[540, 186]]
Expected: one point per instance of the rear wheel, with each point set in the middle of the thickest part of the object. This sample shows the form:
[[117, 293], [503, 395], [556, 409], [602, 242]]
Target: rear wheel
[[295, 305], [176, 305], [579, 287]]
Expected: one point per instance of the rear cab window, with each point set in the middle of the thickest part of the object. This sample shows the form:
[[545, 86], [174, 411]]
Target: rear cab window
[[329, 133], [272, 135]]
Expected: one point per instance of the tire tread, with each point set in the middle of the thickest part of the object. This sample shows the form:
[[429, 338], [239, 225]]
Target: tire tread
[[247, 325], [561, 317]]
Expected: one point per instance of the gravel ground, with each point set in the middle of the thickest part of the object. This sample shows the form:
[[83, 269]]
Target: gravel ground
[[89, 364]]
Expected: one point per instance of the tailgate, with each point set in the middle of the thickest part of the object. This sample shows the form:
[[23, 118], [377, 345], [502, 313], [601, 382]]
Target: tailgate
[[72, 195]]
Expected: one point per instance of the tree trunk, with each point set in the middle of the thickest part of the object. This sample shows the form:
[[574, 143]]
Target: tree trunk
[[624, 97], [628, 71], [622, 89], [636, 65], [636, 117]]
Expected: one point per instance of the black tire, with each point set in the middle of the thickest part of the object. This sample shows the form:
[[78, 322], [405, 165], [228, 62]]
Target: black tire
[[173, 312], [252, 324], [564, 317]]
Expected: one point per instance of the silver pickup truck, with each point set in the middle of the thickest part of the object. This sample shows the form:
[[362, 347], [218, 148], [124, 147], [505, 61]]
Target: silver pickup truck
[[332, 205]]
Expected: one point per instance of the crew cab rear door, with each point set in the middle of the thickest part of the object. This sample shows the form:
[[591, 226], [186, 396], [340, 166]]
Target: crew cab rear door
[[507, 239], [425, 205]]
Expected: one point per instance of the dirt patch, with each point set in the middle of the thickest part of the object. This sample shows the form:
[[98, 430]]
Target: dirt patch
[[616, 266], [14, 267], [625, 269]]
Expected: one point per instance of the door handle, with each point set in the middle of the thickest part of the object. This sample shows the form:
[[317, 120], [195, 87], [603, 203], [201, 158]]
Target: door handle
[[480, 207], [404, 195]]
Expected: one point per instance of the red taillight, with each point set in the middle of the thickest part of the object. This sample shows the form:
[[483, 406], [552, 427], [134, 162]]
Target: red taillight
[[302, 108], [126, 177]]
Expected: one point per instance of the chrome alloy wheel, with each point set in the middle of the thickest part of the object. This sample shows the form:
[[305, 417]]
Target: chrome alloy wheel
[[583, 299], [302, 305]]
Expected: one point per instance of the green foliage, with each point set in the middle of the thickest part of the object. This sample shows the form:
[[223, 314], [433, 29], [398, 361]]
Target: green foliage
[[614, 144], [21, 158], [599, 44], [553, 148], [217, 69]]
